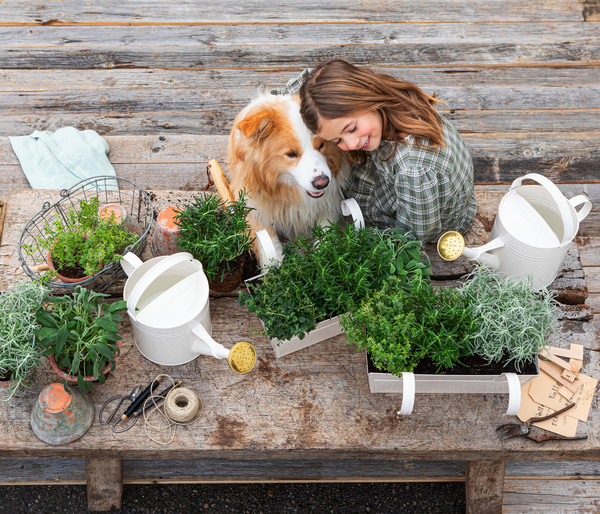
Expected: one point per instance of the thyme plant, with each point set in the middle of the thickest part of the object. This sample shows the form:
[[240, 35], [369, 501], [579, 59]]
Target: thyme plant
[[328, 274], [215, 233], [84, 242], [513, 319], [20, 353]]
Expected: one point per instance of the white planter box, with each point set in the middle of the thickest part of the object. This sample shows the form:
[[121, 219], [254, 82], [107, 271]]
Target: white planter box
[[324, 330], [380, 382]]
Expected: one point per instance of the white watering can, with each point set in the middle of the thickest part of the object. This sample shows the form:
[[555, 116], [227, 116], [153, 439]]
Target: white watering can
[[532, 232], [167, 303]]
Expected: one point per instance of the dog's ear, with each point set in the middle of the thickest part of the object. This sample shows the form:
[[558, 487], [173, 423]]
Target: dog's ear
[[260, 124]]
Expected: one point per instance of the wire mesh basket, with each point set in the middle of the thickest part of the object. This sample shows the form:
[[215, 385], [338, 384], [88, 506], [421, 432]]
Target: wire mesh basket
[[115, 194]]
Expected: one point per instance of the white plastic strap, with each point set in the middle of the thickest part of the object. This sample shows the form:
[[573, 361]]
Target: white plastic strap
[[267, 248], [350, 208], [514, 394], [408, 394]]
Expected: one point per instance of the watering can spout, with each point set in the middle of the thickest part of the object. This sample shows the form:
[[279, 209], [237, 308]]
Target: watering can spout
[[206, 345], [482, 256]]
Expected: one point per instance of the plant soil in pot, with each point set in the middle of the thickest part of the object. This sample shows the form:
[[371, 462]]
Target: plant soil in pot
[[226, 280]]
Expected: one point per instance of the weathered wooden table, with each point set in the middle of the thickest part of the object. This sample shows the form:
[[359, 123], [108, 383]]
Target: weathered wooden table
[[308, 416]]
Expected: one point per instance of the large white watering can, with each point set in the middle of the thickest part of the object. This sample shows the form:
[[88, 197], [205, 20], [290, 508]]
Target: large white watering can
[[532, 232], [167, 303]]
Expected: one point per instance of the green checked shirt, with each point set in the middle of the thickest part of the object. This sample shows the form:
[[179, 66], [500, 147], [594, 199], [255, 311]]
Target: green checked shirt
[[424, 192]]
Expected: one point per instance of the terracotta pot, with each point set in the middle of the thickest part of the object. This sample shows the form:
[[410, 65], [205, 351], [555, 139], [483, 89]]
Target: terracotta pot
[[71, 378]]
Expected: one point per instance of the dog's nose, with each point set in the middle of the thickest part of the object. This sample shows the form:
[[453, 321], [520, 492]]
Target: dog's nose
[[320, 182]]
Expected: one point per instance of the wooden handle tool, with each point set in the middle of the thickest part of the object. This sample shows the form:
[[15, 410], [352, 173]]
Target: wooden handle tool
[[220, 180]]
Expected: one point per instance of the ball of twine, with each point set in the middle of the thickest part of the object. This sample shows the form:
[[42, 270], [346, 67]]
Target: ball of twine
[[182, 405]]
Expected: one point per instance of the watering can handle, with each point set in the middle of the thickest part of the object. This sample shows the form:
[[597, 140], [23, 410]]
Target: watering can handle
[[130, 262], [350, 207], [154, 273], [559, 200], [585, 210]]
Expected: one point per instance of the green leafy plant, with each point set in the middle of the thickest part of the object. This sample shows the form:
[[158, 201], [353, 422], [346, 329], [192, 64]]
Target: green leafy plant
[[402, 323], [20, 352], [216, 234], [81, 332], [513, 319], [328, 274], [84, 242]]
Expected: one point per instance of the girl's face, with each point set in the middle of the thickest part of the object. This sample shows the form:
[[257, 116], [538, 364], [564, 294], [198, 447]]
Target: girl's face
[[361, 131]]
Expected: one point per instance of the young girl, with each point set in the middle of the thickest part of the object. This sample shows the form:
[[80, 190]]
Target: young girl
[[411, 168]]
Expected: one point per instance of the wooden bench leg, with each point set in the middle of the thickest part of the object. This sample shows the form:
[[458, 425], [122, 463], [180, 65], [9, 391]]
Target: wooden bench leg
[[104, 479], [484, 486]]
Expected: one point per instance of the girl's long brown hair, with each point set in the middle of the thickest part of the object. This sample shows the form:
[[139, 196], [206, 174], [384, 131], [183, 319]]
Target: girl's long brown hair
[[336, 89]]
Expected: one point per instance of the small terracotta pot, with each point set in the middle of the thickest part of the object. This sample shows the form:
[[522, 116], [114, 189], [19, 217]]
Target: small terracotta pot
[[71, 378]]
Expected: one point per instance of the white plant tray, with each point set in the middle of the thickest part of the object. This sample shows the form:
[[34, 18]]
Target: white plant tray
[[380, 382], [324, 330], [409, 384]]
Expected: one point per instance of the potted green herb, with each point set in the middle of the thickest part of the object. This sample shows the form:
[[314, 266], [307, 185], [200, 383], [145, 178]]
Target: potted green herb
[[455, 340], [325, 276], [81, 335], [218, 235], [83, 242], [20, 352]]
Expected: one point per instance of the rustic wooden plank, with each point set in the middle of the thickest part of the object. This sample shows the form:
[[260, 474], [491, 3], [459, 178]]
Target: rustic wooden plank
[[223, 46], [484, 486], [185, 122], [255, 11], [589, 249], [497, 157], [521, 470], [228, 90], [32, 471], [565, 496], [104, 481]]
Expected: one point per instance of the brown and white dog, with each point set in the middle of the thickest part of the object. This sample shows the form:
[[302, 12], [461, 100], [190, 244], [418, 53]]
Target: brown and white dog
[[293, 178]]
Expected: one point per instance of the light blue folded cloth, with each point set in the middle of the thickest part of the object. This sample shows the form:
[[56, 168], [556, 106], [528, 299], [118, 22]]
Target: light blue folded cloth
[[61, 159]]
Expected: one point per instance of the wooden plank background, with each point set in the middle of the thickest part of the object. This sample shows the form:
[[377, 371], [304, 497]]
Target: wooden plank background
[[162, 81]]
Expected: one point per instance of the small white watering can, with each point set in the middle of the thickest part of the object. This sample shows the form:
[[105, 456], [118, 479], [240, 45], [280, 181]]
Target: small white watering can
[[167, 303], [531, 235]]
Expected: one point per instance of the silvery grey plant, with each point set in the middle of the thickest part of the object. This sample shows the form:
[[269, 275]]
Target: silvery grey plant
[[20, 353]]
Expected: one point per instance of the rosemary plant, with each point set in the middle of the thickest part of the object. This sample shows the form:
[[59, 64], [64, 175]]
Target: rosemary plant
[[20, 352], [215, 234], [513, 320], [328, 275]]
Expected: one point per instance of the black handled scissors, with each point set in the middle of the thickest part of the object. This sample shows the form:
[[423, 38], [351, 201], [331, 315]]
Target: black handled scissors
[[131, 397]]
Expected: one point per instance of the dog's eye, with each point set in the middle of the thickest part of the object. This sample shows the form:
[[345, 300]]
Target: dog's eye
[[291, 154]]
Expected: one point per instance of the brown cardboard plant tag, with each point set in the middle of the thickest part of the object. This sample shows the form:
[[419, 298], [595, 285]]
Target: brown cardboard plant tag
[[576, 365], [546, 391], [554, 371], [566, 393], [569, 375], [561, 424], [575, 351]]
